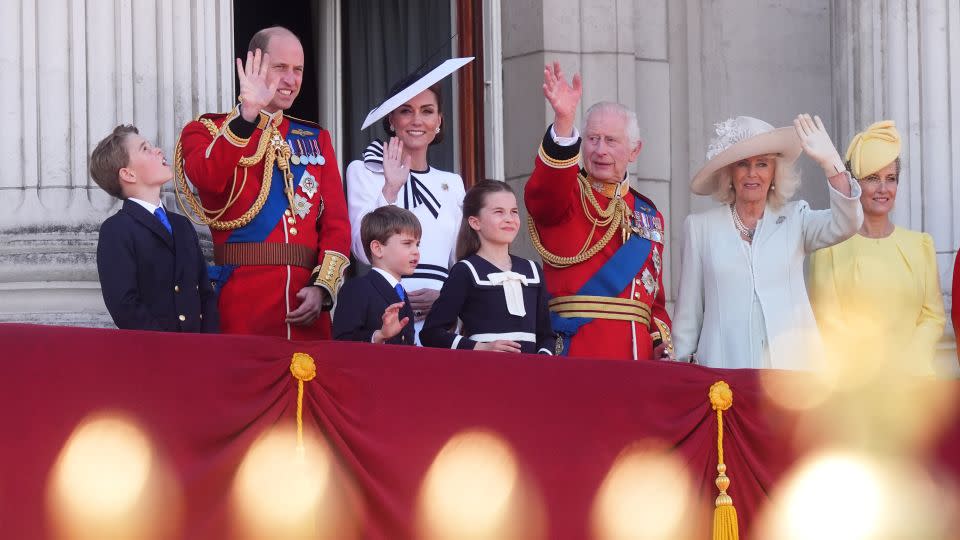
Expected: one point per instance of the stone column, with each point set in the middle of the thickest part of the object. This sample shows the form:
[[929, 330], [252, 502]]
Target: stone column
[[901, 61], [72, 71]]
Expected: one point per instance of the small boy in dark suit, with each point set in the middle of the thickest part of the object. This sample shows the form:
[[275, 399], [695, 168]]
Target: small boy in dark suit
[[374, 307], [152, 273]]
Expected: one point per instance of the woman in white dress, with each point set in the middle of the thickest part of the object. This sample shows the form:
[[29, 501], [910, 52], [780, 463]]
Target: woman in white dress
[[742, 301], [399, 173]]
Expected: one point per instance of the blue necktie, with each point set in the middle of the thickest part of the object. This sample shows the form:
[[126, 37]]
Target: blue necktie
[[162, 216], [400, 292]]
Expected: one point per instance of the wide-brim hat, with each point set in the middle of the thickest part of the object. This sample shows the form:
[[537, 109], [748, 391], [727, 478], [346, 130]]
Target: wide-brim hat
[[740, 138], [409, 91]]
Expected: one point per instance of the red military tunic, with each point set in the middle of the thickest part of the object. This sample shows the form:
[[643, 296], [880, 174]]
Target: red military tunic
[[263, 285], [563, 219]]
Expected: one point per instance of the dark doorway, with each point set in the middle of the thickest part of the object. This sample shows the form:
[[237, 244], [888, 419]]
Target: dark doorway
[[299, 17], [382, 43]]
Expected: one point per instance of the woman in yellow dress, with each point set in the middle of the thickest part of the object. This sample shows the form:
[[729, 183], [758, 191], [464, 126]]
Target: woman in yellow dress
[[877, 296]]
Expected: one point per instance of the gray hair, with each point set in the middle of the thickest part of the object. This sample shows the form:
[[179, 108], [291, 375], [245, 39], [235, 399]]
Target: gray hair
[[633, 126], [786, 182]]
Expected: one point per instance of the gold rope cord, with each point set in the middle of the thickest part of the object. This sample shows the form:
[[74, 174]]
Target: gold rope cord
[[303, 369], [266, 152], [613, 213]]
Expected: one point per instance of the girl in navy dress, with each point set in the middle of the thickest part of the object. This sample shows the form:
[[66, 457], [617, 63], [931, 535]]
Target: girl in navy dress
[[500, 299]]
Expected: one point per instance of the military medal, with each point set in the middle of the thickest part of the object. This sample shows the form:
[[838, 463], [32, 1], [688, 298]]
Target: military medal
[[649, 282], [320, 160], [314, 160], [301, 206], [294, 158], [308, 184], [301, 159]]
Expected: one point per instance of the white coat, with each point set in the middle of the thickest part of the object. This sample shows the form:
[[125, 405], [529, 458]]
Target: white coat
[[721, 277]]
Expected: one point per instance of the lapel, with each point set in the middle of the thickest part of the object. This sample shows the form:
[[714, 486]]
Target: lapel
[[181, 232], [389, 295], [381, 286], [149, 221], [773, 221]]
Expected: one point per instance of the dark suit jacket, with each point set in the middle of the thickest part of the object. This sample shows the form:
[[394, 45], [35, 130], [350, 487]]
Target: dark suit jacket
[[360, 306], [152, 280]]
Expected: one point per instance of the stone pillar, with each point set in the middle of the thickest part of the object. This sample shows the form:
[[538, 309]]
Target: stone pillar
[[901, 61], [72, 71]]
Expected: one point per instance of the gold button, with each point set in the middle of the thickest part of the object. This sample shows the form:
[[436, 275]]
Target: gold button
[[176, 288], [293, 231], [198, 287], [287, 213], [636, 282], [183, 318], [291, 221], [637, 295]]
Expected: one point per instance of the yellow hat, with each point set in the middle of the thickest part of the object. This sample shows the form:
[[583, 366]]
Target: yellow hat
[[873, 149]]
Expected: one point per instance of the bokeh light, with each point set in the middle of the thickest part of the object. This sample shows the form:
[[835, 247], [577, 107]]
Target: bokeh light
[[843, 495], [474, 490], [279, 493], [646, 495], [108, 482]]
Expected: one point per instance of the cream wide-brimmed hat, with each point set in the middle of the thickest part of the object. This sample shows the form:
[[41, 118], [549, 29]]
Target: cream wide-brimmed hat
[[740, 138]]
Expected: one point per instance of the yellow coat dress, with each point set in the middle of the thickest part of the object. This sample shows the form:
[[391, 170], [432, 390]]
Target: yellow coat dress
[[878, 301]]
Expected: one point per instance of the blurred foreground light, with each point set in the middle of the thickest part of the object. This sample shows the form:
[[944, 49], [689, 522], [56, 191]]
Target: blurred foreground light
[[108, 483], [852, 497], [280, 494], [474, 491], [647, 495]]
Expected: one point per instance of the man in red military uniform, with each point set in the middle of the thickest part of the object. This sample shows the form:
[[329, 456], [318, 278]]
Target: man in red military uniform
[[270, 190], [601, 241]]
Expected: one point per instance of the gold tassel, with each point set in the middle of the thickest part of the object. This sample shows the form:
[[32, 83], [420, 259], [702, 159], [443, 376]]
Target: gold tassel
[[304, 370], [725, 525]]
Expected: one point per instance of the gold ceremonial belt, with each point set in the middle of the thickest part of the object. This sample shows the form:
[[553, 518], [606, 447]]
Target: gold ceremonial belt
[[265, 253], [601, 307]]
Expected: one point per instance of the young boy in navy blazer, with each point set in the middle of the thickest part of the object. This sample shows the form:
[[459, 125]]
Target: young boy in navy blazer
[[152, 273], [374, 308]]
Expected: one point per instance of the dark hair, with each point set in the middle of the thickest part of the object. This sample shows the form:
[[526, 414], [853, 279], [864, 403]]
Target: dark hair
[[468, 241], [436, 92], [109, 157], [262, 38], [385, 222], [847, 164]]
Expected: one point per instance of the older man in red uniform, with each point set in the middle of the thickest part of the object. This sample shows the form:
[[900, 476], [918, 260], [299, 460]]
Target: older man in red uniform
[[601, 241], [270, 190]]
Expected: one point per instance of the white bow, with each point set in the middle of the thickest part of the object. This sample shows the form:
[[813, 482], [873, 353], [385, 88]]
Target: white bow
[[512, 284]]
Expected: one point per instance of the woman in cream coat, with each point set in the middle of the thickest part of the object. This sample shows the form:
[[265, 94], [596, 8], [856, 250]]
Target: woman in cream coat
[[742, 301]]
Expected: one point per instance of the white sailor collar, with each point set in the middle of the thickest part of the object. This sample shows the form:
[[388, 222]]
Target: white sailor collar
[[481, 270]]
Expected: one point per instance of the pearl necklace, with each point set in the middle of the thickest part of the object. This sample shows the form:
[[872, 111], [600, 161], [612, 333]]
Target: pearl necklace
[[741, 228]]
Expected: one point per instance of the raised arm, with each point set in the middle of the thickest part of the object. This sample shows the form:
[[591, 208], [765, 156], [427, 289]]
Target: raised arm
[[549, 195]]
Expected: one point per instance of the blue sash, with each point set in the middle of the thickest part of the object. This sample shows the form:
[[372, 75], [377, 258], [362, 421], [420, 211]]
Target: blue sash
[[609, 280], [273, 208]]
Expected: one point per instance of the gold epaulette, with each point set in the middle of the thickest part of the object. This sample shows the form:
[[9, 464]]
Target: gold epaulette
[[268, 150], [329, 274]]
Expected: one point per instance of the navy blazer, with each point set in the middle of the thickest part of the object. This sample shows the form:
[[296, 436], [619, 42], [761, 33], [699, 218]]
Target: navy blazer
[[360, 306], [151, 280]]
